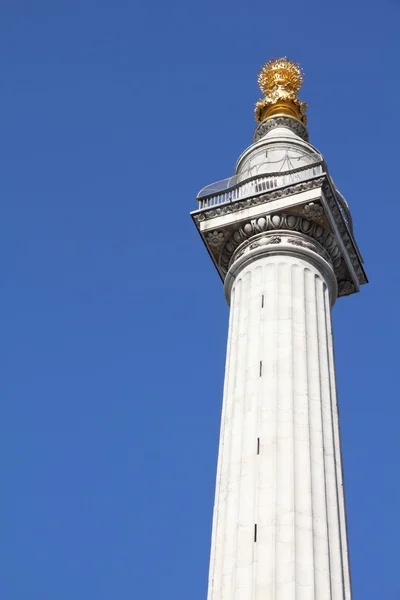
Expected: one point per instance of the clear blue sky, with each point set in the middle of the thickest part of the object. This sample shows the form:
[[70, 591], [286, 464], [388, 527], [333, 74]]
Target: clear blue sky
[[113, 322]]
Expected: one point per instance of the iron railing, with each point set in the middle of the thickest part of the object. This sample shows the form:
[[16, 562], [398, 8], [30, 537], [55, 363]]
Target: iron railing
[[231, 189]]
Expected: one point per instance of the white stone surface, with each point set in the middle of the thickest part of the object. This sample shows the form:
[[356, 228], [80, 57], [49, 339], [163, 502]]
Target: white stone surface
[[275, 151], [280, 397]]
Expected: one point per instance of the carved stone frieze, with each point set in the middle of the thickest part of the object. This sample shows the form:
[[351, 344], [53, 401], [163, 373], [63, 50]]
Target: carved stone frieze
[[225, 209], [292, 124], [272, 239], [286, 224], [302, 243]]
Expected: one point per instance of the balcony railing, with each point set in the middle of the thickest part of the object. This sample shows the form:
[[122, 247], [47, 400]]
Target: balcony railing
[[231, 189]]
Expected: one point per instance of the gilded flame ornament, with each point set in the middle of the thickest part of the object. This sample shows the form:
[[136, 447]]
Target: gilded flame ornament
[[280, 80]]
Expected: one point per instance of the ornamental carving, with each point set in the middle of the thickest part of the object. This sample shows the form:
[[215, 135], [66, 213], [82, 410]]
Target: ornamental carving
[[262, 240], [344, 232], [215, 238], [272, 123], [326, 244], [280, 80], [299, 242], [346, 287], [274, 239], [313, 211]]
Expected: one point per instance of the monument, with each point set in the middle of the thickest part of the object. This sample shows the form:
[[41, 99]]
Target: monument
[[280, 235]]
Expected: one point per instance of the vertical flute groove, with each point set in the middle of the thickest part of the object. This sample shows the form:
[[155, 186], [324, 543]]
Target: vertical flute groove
[[339, 467], [240, 399], [330, 414], [294, 432], [258, 418], [323, 428], [277, 433], [247, 484], [216, 520], [265, 550], [306, 274], [226, 434], [232, 379], [302, 452], [284, 508]]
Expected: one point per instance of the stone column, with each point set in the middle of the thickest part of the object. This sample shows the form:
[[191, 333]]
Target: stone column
[[279, 530]]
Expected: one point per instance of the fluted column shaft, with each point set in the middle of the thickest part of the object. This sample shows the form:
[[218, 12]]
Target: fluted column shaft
[[279, 528]]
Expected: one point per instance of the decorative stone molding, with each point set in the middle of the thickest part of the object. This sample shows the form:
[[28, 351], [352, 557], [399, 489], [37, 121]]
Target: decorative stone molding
[[225, 209], [262, 241], [353, 253], [313, 211], [334, 216], [287, 224], [215, 238], [346, 287], [267, 239], [303, 244], [292, 124]]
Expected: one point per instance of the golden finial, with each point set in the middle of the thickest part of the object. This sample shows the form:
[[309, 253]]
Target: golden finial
[[280, 79]]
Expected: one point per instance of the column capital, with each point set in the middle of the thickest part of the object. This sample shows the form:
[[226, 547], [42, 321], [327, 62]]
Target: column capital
[[282, 242]]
